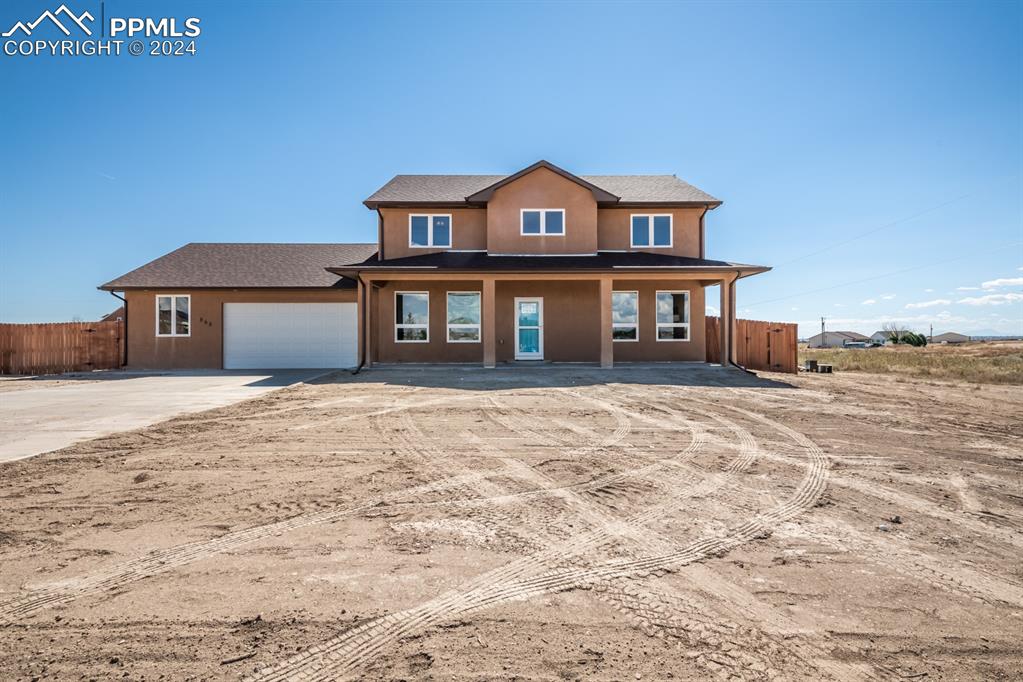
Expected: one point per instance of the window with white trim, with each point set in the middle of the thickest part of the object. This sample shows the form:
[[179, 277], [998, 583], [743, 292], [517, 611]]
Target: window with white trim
[[463, 317], [429, 231], [172, 315], [652, 231], [625, 315], [411, 317], [543, 221], [672, 315]]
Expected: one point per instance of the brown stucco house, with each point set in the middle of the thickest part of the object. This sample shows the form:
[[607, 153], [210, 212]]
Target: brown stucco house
[[540, 265]]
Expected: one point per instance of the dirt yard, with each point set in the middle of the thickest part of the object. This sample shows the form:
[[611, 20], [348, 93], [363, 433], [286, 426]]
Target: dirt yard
[[519, 524]]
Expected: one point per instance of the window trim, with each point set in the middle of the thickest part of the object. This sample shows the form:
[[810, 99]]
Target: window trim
[[650, 230], [174, 327], [398, 326], [624, 325], [429, 217], [448, 326], [543, 222], [672, 325]]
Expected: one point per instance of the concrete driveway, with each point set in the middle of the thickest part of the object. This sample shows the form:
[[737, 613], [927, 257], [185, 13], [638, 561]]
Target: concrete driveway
[[38, 416]]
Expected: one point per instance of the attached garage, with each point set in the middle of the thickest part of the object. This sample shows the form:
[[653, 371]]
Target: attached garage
[[290, 335]]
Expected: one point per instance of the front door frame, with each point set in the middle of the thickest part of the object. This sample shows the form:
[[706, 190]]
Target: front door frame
[[539, 301]]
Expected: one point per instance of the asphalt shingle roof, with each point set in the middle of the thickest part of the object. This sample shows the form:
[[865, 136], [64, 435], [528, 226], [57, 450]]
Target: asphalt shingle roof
[[608, 260], [455, 188], [198, 266]]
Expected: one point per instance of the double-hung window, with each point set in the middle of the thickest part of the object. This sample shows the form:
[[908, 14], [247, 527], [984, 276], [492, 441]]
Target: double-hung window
[[651, 231], [672, 315], [429, 231], [543, 221], [411, 317], [463, 317], [625, 315], [172, 315]]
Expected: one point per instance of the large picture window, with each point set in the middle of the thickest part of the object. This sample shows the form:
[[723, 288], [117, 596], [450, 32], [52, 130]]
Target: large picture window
[[625, 315], [651, 231], [672, 315], [429, 231], [543, 221], [172, 315], [463, 317], [411, 317]]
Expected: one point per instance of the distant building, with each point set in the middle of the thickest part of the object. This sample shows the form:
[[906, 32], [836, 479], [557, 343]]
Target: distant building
[[949, 337], [879, 337], [836, 339], [112, 317]]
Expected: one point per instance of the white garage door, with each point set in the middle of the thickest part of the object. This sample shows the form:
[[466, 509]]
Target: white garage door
[[287, 335]]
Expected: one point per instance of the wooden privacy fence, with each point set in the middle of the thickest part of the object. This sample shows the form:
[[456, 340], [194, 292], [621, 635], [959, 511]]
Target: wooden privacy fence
[[52, 348], [770, 346]]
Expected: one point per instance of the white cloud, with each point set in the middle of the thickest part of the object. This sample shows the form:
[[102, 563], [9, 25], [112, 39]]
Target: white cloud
[[991, 299], [928, 291], [887, 297], [711, 310], [967, 288], [839, 305], [928, 304], [869, 301], [1003, 282], [794, 309]]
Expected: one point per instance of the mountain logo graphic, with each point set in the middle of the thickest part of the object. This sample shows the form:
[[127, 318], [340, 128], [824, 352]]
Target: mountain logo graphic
[[52, 16]]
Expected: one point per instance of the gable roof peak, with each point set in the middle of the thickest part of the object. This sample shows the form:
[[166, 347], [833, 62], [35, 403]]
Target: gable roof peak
[[599, 194]]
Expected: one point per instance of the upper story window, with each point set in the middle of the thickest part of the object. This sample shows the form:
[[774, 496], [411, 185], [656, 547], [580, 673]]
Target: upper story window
[[651, 231], [172, 313], [429, 231], [543, 221]]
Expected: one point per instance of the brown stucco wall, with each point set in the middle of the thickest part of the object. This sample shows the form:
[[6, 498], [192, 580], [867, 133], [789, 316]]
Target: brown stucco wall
[[542, 189], [571, 319], [614, 227], [204, 348], [386, 349], [648, 349], [468, 230]]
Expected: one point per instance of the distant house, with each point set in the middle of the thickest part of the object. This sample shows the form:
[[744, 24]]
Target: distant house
[[836, 339], [114, 316], [879, 337], [950, 337]]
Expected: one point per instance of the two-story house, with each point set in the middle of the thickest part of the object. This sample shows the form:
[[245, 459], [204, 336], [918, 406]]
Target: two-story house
[[540, 265]]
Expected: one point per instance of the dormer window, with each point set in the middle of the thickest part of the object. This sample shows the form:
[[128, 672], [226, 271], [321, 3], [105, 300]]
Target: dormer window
[[651, 231], [543, 221], [429, 231]]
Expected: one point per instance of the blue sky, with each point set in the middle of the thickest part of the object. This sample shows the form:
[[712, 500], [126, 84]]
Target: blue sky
[[871, 152]]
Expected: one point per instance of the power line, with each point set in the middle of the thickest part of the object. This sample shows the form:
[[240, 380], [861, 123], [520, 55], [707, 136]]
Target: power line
[[900, 221], [887, 274]]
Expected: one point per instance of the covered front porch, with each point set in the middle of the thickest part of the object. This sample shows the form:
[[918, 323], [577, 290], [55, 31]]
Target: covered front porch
[[527, 318]]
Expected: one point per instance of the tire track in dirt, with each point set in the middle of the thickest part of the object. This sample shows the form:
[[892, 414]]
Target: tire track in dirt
[[725, 649], [911, 563], [346, 653], [164, 560]]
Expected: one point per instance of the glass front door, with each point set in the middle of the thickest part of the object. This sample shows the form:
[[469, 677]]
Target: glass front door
[[528, 328]]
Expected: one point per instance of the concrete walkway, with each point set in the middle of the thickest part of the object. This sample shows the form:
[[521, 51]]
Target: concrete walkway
[[66, 410]]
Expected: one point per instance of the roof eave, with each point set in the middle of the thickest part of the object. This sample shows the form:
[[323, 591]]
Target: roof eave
[[353, 271]]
